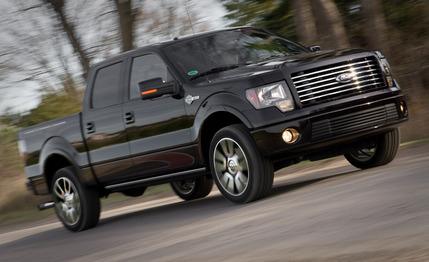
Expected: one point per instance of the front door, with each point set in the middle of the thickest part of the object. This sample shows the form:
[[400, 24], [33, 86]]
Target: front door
[[159, 133]]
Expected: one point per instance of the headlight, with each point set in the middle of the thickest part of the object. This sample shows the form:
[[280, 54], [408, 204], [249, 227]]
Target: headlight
[[385, 67], [276, 94]]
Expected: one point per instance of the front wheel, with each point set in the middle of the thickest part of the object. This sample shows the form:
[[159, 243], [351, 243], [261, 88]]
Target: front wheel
[[241, 172], [77, 206], [378, 151]]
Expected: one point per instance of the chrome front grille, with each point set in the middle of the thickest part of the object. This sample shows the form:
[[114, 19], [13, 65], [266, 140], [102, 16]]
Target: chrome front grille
[[322, 84]]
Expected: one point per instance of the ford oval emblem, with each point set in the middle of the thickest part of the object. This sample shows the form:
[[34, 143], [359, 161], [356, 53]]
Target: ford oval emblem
[[345, 78]]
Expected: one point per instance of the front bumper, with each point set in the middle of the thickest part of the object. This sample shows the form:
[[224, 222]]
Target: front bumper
[[331, 128]]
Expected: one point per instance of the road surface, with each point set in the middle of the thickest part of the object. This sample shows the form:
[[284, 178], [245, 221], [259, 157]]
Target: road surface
[[330, 212]]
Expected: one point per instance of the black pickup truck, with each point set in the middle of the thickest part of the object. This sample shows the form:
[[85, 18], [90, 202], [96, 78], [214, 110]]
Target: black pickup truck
[[231, 106]]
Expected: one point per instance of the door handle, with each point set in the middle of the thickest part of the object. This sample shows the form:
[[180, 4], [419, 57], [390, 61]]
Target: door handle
[[129, 118], [90, 127]]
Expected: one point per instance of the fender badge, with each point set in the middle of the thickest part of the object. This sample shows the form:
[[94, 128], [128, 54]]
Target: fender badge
[[189, 99]]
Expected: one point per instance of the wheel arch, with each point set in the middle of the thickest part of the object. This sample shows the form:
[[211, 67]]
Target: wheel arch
[[56, 153], [215, 121]]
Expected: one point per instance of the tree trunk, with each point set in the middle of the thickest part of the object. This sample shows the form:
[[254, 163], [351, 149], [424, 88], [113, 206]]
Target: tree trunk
[[305, 23], [69, 29], [330, 25], [375, 25], [126, 23]]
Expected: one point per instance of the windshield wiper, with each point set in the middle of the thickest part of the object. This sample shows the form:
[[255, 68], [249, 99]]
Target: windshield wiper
[[272, 57], [215, 70]]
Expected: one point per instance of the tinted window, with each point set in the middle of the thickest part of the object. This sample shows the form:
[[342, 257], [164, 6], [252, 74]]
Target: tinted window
[[144, 68], [106, 90]]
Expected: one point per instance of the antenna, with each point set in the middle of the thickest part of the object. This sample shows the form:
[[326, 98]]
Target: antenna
[[189, 17]]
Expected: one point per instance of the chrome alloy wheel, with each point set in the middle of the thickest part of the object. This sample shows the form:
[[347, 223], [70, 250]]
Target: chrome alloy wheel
[[67, 201], [364, 153], [231, 166]]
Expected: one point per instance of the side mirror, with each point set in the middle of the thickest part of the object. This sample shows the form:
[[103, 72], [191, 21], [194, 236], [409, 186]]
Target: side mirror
[[155, 87], [314, 48]]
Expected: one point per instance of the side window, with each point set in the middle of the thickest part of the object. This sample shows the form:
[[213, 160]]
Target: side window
[[144, 68], [106, 90]]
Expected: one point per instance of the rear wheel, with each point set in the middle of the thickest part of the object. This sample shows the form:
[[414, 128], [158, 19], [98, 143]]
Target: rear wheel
[[241, 172], [378, 151], [77, 206], [193, 188]]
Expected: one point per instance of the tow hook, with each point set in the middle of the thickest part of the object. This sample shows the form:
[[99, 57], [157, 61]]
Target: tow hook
[[46, 205]]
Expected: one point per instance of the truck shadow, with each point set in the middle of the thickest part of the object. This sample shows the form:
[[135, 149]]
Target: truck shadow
[[290, 186], [214, 205]]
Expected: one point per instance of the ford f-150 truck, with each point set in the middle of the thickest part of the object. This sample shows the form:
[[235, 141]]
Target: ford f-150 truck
[[229, 106]]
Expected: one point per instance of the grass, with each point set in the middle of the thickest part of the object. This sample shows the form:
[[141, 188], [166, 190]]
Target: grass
[[22, 216]]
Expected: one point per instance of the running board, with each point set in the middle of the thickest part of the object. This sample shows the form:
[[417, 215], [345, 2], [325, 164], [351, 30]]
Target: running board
[[158, 179]]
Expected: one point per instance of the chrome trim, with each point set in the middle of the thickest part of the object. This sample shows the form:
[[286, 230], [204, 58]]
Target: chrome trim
[[333, 83], [358, 86], [44, 127], [331, 68], [334, 73], [334, 78], [345, 90], [315, 83]]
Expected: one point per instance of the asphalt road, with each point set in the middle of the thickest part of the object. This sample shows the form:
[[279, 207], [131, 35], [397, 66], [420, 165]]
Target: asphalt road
[[329, 212]]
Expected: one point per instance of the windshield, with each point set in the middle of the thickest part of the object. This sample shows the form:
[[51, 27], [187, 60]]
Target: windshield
[[226, 50]]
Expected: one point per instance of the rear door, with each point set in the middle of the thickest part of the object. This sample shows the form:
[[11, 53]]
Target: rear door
[[103, 123], [159, 133]]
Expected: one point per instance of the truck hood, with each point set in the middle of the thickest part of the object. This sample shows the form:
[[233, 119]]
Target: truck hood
[[288, 64]]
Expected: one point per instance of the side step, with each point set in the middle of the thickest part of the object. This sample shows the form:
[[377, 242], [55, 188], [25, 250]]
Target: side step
[[151, 181]]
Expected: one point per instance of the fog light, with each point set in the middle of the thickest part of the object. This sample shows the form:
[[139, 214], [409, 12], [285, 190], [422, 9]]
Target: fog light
[[290, 135], [403, 108]]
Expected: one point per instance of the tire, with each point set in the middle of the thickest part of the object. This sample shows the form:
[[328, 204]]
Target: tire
[[240, 171], [76, 206], [191, 189], [379, 151]]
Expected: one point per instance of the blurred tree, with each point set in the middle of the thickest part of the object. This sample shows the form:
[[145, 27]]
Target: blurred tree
[[296, 19], [248, 12], [69, 28], [126, 17], [305, 22], [53, 105], [330, 24], [272, 15], [167, 19], [375, 27]]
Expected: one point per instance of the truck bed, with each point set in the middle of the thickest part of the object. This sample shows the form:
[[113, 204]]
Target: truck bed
[[35, 139]]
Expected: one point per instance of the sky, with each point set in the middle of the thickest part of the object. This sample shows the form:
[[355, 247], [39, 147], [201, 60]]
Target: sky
[[24, 96]]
